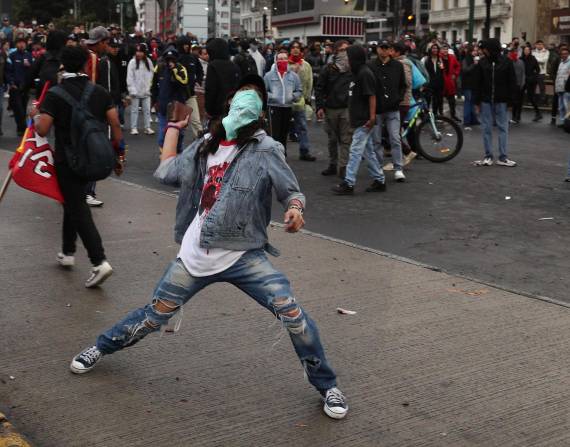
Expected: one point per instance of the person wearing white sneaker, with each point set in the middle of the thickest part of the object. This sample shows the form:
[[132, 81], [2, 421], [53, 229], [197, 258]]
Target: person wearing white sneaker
[[56, 112], [149, 131], [399, 176], [495, 86], [140, 72], [238, 149]]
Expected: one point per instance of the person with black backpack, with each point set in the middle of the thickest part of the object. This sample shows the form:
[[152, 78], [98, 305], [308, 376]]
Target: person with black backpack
[[80, 111], [244, 60]]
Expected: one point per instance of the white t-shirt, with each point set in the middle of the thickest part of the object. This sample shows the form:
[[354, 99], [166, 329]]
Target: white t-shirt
[[200, 261]]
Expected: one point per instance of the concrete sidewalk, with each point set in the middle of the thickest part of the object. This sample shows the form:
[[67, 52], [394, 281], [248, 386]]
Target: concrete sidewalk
[[428, 360]]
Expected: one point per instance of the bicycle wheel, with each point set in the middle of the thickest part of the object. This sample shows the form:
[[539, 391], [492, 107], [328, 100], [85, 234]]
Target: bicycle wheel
[[442, 146]]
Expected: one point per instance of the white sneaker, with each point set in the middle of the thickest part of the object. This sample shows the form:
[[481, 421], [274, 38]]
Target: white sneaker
[[149, 131], [408, 158], [85, 361], [99, 274], [65, 260], [134, 131], [506, 162], [92, 201], [487, 161], [335, 403], [388, 167], [399, 176]]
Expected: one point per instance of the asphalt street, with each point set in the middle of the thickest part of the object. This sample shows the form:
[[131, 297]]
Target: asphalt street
[[505, 226]]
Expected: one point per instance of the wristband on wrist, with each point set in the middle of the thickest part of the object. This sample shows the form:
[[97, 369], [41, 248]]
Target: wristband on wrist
[[173, 126], [296, 207]]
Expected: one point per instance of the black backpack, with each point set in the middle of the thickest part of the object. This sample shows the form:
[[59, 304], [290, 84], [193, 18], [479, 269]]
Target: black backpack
[[90, 155]]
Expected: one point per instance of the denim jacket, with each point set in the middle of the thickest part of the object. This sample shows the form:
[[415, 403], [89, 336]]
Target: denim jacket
[[282, 91], [239, 218]]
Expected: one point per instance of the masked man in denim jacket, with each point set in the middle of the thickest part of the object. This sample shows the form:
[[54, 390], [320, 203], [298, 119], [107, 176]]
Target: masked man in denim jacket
[[226, 181]]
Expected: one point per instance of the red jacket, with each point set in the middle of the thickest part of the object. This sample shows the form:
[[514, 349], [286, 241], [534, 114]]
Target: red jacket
[[450, 75]]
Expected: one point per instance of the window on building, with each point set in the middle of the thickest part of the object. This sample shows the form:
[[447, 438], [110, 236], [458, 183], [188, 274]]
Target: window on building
[[456, 3], [307, 5], [497, 32], [445, 5], [225, 14], [279, 7], [454, 35], [359, 5], [383, 5], [426, 4], [443, 35], [293, 6], [370, 5]]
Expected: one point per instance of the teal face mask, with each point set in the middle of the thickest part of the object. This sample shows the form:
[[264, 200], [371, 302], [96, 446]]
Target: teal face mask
[[245, 108]]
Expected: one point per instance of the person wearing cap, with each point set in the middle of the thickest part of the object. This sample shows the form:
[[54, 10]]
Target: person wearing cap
[[97, 46], [257, 56], [72, 40], [140, 73], [195, 75], [495, 86], [169, 85], [17, 72], [221, 225], [391, 86]]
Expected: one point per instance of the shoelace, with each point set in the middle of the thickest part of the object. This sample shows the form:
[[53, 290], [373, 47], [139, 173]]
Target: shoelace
[[90, 355], [334, 396]]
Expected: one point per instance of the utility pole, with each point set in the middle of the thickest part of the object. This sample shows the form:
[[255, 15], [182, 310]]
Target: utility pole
[[471, 20], [487, 32], [418, 14]]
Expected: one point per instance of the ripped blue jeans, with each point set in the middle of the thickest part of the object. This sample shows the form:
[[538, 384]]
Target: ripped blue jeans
[[254, 275]]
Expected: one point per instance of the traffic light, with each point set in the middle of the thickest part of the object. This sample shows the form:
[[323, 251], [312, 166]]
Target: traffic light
[[410, 18], [264, 21]]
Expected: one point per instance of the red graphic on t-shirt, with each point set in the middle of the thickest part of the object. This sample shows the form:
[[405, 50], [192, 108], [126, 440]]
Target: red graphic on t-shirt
[[212, 188]]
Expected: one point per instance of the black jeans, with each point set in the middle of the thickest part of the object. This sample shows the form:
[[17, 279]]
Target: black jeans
[[18, 102], [77, 219], [279, 122], [530, 87]]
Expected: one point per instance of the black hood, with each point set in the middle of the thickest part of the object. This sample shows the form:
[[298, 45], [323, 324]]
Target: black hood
[[218, 49], [356, 57], [493, 46], [184, 40]]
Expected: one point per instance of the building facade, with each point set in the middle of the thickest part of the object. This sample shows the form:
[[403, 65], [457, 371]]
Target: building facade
[[147, 15], [365, 20], [255, 18], [450, 19]]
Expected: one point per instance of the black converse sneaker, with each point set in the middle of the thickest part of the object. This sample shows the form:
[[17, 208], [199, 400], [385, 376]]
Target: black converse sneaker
[[335, 403], [86, 360]]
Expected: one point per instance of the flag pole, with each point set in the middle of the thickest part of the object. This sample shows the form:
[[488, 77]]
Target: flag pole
[[8, 178]]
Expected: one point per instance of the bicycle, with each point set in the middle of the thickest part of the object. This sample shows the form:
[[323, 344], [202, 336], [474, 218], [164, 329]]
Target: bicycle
[[437, 139]]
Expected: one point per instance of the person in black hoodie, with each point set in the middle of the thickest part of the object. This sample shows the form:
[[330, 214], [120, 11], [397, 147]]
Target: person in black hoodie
[[332, 104], [532, 71], [195, 74], [391, 89], [362, 110], [223, 77], [495, 87], [46, 67], [245, 62]]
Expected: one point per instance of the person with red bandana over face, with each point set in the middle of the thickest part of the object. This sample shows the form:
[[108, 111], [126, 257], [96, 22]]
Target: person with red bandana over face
[[283, 89]]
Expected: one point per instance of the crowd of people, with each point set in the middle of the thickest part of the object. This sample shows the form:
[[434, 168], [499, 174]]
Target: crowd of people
[[225, 112]]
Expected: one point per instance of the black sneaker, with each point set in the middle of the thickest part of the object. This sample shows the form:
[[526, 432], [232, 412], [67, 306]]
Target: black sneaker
[[307, 157], [343, 189], [331, 170], [335, 403], [86, 360], [376, 186]]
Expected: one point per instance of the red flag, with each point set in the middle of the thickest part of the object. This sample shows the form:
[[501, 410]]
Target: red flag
[[32, 164], [33, 168]]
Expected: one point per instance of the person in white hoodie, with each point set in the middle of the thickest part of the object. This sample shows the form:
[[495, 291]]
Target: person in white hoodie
[[140, 72], [257, 57], [541, 55]]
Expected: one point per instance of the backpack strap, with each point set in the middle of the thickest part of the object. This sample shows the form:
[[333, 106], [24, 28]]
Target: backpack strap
[[59, 91], [89, 89]]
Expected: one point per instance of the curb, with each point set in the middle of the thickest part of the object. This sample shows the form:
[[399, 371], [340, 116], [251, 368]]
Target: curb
[[9, 437]]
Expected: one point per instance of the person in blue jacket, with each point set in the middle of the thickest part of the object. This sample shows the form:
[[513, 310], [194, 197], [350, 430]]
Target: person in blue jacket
[[17, 69]]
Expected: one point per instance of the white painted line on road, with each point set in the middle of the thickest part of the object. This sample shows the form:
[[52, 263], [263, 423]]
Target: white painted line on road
[[379, 252]]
